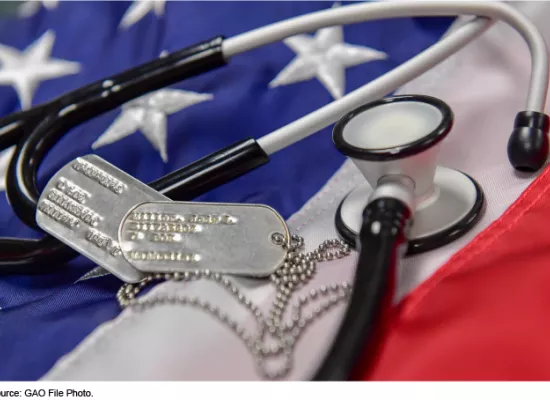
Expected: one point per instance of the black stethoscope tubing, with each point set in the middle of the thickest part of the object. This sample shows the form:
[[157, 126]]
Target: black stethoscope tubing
[[83, 104], [36, 131]]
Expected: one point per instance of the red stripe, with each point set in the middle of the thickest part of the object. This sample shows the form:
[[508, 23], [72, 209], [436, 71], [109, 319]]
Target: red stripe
[[485, 314]]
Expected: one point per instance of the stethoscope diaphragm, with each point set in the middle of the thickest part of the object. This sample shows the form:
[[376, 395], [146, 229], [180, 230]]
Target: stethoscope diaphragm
[[400, 136]]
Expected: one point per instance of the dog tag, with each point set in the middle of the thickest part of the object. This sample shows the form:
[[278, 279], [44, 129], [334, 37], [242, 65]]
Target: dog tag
[[83, 205], [238, 239]]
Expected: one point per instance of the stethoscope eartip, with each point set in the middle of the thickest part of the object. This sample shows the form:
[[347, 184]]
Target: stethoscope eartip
[[528, 143]]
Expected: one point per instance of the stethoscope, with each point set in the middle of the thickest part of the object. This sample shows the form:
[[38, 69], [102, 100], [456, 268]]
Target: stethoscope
[[399, 164]]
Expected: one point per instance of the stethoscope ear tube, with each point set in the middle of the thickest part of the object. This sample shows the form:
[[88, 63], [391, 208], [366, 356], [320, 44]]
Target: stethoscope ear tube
[[83, 104], [42, 126], [382, 242], [95, 98], [212, 171], [14, 126], [34, 256]]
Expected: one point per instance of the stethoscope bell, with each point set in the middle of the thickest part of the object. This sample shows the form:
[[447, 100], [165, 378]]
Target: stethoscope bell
[[400, 135]]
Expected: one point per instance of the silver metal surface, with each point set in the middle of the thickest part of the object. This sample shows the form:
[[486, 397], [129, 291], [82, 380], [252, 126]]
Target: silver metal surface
[[83, 205], [238, 239]]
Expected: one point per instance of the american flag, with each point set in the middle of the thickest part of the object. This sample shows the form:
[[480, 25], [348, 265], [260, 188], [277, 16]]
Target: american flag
[[60, 326]]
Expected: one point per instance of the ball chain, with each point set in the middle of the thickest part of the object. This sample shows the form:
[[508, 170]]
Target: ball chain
[[296, 271]]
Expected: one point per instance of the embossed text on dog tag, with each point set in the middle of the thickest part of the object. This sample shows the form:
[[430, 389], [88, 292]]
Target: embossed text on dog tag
[[239, 239], [83, 205]]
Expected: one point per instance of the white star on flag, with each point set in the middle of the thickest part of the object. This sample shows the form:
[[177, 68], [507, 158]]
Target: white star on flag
[[24, 70], [30, 8], [139, 9], [325, 57], [148, 114]]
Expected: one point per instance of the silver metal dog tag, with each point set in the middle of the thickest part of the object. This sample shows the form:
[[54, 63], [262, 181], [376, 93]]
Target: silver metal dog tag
[[238, 239], [83, 205]]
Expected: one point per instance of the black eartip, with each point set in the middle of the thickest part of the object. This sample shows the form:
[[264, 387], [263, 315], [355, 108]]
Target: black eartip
[[528, 144]]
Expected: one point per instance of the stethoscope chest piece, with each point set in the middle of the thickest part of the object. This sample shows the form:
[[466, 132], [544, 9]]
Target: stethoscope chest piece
[[400, 136]]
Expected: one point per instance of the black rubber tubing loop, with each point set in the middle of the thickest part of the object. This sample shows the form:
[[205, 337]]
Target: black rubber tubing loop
[[14, 126], [21, 187], [31, 256], [379, 254]]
